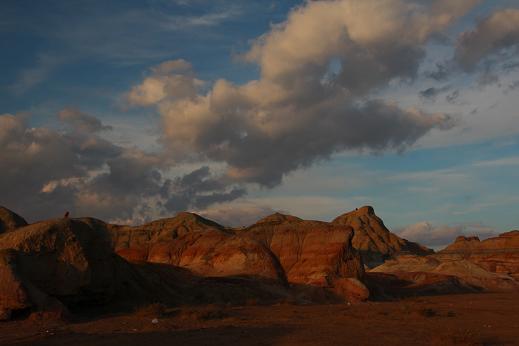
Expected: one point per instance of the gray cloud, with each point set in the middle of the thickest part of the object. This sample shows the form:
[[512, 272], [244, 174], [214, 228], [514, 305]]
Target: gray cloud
[[80, 121], [495, 34], [453, 96], [45, 172], [442, 72], [433, 92], [512, 86], [198, 190]]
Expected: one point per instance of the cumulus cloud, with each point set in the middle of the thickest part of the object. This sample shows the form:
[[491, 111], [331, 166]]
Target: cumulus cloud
[[199, 189], [438, 236], [173, 79], [319, 70], [494, 34], [80, 121]]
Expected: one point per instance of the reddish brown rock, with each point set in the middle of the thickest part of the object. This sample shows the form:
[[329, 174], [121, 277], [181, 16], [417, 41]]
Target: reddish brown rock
[[374, 241], [200, 245], [310, 252], [468, 273], [497, 255], [279, 247], [352, 289]]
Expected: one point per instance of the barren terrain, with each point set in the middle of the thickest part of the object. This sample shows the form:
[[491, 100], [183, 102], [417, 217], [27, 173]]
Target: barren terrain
[[465, 319]]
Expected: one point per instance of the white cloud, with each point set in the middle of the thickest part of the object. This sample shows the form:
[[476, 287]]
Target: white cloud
[[438, 236]]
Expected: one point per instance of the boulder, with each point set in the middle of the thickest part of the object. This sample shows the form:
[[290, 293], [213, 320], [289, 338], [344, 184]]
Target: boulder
[[352, 289]]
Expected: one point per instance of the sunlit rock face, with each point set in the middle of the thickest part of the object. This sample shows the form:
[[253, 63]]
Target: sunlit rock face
[[279, 247], [498, 254], [372, 238], [490, 265]]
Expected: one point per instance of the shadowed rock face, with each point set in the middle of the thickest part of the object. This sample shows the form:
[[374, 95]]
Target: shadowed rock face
[[10, 221], [374, 241], [49, 263]]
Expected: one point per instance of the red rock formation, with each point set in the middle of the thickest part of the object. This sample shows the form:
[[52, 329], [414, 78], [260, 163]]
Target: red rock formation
[[468, 273], [310, 252], [374, 241], [497, 255], [279, 247], [53, 264]]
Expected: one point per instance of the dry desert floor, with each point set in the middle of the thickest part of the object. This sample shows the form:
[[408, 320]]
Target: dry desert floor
[[465, 319]]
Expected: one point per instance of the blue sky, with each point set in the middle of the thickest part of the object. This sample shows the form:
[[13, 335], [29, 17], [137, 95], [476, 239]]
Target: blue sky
[[455, 175]]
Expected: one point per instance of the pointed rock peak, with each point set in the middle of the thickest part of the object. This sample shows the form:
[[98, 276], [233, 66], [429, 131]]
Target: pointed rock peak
[[279, 218], [9, 220], [366, 210], [185, 216], [462, 238]]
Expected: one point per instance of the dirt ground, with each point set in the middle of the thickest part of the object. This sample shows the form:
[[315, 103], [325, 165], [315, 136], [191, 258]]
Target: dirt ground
[[468, 319]]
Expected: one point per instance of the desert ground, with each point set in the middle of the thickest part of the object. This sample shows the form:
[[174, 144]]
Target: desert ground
[[464, 319]]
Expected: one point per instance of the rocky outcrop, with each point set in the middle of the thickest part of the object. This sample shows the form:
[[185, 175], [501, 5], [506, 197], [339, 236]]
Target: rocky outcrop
[[374, 241], [63, 259], [498, 255], [467, 273], [10, 221], [309, 252]]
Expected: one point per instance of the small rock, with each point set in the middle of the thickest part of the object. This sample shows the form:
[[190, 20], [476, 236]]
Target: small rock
[[155, 321]]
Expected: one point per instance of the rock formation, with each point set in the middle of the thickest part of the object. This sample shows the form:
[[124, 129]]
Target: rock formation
[[279, 247], [498, 255], [374, 241], [491, 264], [10, 221], [57, 264], [63, 259]]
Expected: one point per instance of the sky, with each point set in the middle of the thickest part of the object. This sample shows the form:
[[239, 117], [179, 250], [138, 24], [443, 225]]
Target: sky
[[134, 110]]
